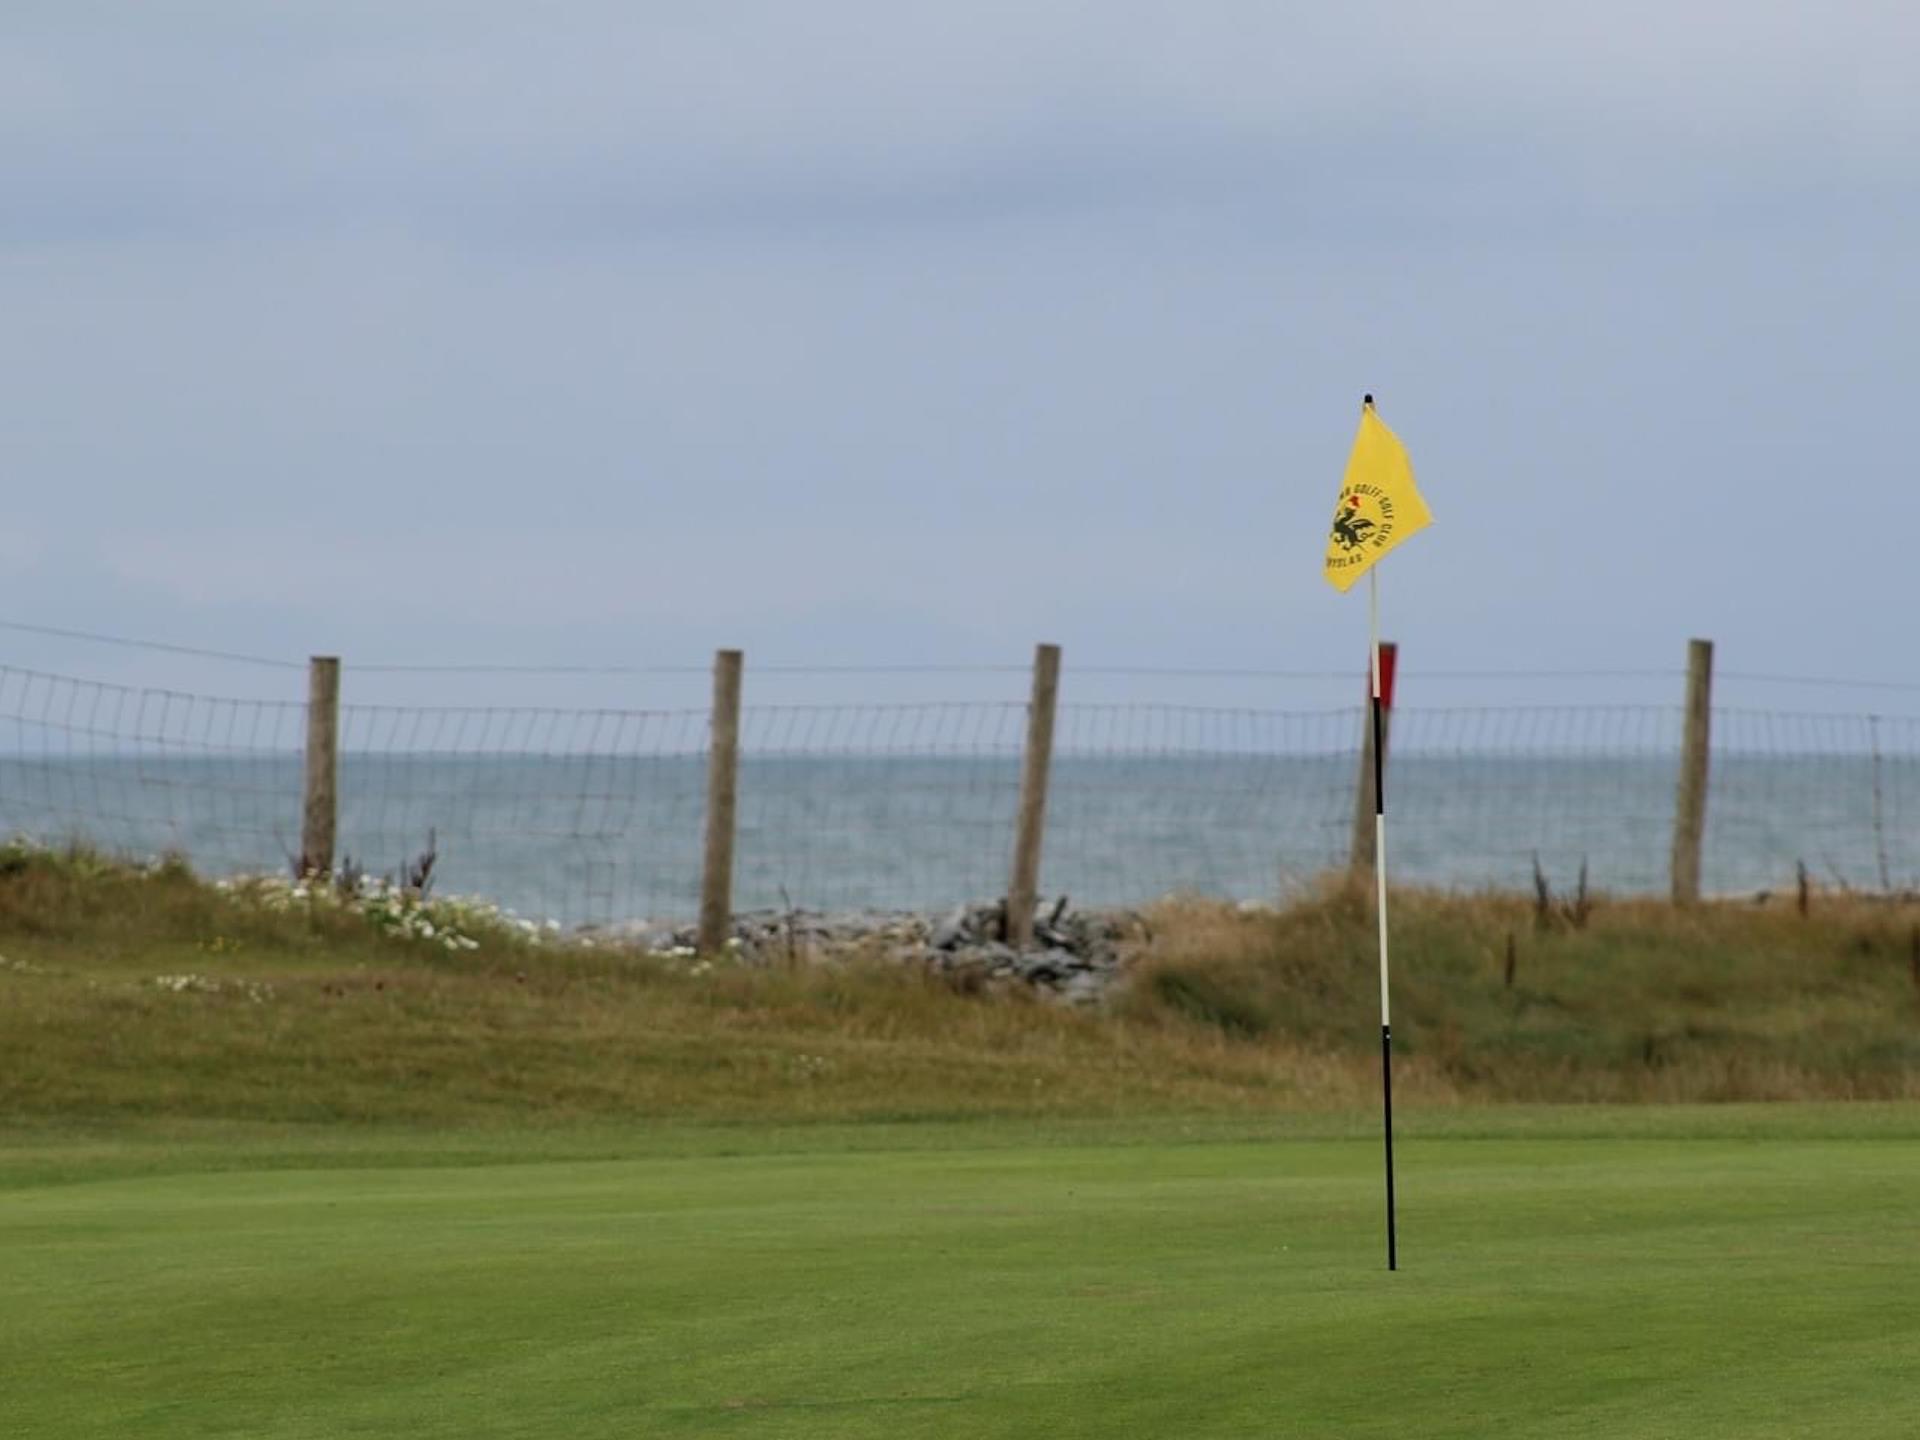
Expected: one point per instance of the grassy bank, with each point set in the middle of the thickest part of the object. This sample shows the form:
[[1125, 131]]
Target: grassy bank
[[143, 995], [1636, 1000]]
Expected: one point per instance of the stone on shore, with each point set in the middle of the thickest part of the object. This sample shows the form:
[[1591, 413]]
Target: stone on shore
[[1075, 955]]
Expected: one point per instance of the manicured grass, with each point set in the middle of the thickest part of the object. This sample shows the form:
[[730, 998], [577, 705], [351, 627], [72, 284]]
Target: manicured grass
[[1743, 1272]]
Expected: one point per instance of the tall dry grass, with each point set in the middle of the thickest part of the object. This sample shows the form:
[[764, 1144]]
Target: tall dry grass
[[1632, 1000], [313, 1015]]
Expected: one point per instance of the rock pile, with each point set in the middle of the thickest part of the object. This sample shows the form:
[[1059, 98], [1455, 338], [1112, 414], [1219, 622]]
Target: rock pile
[[1075, 954]]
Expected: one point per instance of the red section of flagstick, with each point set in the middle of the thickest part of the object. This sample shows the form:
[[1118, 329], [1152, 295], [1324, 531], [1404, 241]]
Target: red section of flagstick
[[1389, 653]]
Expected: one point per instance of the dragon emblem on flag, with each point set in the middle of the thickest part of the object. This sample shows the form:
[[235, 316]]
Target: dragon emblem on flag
[[1350, 527]]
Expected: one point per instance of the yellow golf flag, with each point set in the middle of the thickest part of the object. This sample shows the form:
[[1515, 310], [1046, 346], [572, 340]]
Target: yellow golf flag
[[1379, 504]]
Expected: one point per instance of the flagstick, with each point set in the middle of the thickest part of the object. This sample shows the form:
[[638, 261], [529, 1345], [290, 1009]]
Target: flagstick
[[1380, 898]]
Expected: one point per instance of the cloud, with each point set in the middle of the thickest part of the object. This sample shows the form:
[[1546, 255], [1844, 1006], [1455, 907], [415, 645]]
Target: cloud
[[851, 329], [865, 111]]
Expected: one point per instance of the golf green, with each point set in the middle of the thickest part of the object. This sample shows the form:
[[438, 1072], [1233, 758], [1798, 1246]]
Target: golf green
[[978, 1280]]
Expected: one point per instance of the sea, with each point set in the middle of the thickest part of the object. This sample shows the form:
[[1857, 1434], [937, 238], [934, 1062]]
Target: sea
[[596, 840]]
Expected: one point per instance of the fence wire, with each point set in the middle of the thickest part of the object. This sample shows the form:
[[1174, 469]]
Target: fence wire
[[876, 806], [584, 816], [1840, 793], [142, 772], [1478, 795], [1149, 799], [597, 816]]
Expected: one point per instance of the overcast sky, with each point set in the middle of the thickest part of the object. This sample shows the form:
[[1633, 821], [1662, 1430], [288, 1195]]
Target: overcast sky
[[607, 333]]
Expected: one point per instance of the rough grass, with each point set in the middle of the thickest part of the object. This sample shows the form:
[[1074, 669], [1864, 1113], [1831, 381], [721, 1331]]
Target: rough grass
[[1643, 1002], [312, 1015]]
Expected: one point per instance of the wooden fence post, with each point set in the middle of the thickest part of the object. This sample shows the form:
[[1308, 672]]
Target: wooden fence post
[[723, 788], [319, 811], [1023, 889], [1362, 856], [1690, 808]]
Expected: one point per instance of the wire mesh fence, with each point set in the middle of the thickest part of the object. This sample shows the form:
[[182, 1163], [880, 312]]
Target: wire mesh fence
[[1148, 799], [143, 771], [596, 815], [1480, 795], [889, 806], [1840, 793], [585, 816]]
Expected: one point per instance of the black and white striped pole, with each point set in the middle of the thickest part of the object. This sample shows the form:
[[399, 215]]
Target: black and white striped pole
[[1380, 892], [1379, 507]]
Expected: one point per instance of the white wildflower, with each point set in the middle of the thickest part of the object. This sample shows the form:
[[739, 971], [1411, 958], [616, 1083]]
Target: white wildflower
[[181, 984]]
